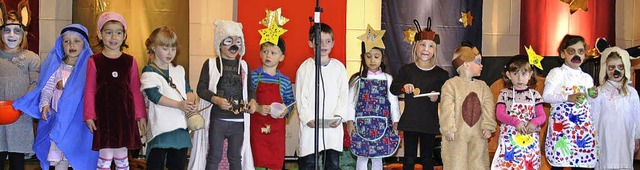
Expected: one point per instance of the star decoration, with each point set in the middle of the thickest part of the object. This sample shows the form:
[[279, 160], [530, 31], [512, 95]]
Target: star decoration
[[372, 38], [409, 35], [466, 18], [534, 59], [575, 5], [274, 17], [271, 34], [593, 52]]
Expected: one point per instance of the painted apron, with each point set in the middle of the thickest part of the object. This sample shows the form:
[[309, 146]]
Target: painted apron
[[570, 138], [374, 136], [267, 133], [516, 150]]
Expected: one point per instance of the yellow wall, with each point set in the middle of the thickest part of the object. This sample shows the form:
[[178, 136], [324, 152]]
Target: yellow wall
[[359, 14]]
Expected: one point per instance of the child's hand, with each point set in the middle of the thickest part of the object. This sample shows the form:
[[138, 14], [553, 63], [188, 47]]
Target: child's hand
[[521, 128], [395, 127], [351, 129], [264, 110], [593, 92], [449, 136], [184, 106], [142, 125], [576, 98], [252, 106], [91, 125], [311, 124], [433, 98], [531, 128], [486, 133], [221, 102], [59, 85], [408, 88], [45, 110], [335, 124]]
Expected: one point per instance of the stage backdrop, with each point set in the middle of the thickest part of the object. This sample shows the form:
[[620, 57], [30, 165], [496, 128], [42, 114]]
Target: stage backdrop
[[250, 12], [398, 16], [543, 23]]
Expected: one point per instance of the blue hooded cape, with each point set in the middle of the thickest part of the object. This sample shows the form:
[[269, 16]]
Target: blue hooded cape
[[65, 127]]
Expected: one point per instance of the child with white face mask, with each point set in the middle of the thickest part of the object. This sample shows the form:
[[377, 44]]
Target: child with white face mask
[[617, 111], [19, 70]]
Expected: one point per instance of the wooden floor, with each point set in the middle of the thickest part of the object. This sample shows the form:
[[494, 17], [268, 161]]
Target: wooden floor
[[32, 164]]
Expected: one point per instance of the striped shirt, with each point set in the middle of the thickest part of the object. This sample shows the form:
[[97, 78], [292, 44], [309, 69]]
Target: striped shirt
[[286, 91]]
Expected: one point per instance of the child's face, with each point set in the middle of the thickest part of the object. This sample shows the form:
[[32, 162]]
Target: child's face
[[615, 70], [574, 55], [373, 59], [112, 35], [164, 54], [476, 66], [519, 78], [326, 44], [230, 47], [425, 50], [72, 45], [12, 36], [271, 55]]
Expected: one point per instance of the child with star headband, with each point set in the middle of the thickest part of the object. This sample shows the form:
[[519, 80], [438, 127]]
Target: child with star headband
[[520, 111], [372, 107], [274, 95], [419, 120], [617, 110], [571, 131]]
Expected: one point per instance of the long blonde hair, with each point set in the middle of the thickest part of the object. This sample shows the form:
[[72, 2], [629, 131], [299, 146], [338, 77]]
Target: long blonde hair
[[161, 36]]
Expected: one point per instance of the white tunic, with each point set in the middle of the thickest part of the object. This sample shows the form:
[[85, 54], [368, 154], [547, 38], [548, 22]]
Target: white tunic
[[618, 125], [162, 119], [335, 91]]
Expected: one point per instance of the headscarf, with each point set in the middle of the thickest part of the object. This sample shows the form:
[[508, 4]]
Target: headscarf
[[66, 126]]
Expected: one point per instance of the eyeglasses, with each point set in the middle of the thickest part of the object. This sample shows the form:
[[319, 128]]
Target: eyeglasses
[[613, 67], [572, 51]]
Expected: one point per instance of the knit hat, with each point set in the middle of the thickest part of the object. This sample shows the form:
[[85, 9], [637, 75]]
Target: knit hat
[[111, 16], [426, 33], [464, 53], [626, 61], [226, 29]]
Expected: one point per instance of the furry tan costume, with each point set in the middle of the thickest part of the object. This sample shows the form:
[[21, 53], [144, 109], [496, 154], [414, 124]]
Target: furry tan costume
[[466, 116]]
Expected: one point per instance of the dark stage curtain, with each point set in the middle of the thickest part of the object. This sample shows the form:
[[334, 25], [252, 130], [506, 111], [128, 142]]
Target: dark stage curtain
[[398, 16]]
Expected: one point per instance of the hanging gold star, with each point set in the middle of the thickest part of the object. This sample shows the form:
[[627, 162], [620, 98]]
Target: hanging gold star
[[593, 52], [575, 5], [409, 35], [274, 17], [466, 18], [372, 38], [534, 58], [271, 34]]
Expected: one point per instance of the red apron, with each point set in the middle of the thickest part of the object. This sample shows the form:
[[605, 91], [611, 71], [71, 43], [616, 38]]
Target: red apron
[[267, 133]]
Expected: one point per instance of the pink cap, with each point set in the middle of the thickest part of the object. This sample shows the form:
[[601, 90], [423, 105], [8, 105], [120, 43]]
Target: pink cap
[[111, 16]]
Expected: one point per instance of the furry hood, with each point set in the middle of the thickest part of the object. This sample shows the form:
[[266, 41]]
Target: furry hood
[[224, 29]]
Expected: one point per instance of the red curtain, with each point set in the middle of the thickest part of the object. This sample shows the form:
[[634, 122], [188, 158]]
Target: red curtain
[[543, 23], [250, 12]]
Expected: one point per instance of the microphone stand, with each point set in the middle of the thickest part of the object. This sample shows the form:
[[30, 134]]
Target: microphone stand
[[318, 60]]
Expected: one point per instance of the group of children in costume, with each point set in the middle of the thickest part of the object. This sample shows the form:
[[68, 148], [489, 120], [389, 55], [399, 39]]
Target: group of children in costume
[[91, 107]]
